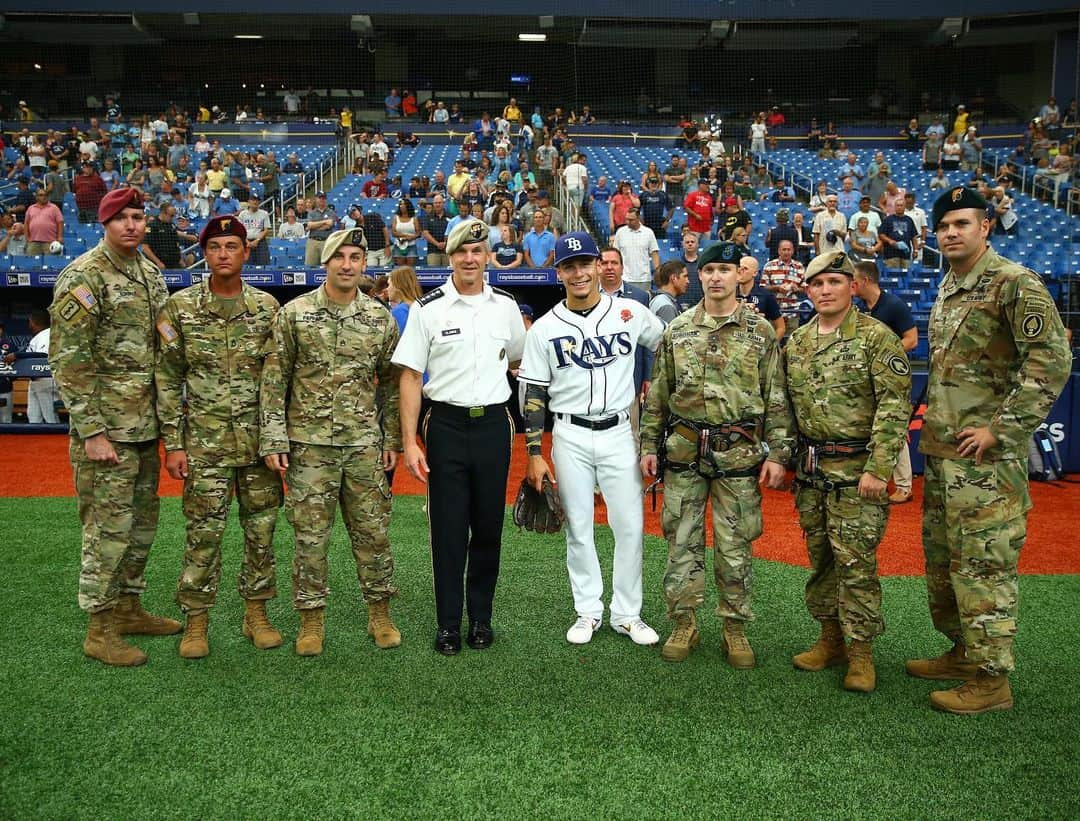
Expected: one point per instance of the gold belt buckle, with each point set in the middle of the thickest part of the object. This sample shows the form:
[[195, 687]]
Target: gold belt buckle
[[476, 412]]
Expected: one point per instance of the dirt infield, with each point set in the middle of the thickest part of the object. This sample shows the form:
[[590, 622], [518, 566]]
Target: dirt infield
[[38, 466]]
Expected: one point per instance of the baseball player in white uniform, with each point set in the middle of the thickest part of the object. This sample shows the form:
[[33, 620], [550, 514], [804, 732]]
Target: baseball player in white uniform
[[579, 359]]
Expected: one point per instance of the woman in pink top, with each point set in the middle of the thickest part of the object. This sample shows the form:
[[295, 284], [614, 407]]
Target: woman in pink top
[[623, 200]]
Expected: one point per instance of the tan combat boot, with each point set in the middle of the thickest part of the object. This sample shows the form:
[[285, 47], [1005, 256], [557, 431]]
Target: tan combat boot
[[130, 619], [684, 638], [740, 654], [381, 627], [828, 651], [861, 676], [981, 694], [257, 626], [104, 644], [195, 643], [953, 665], [310, 640]]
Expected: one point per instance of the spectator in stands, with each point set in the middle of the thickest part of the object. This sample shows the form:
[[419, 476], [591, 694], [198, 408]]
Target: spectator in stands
[[484, 131], [864, 242], [888, 198], [55, 184], [864, 210], [848, 197], [783, 277], [523, 176], [875, 186], [640, 252], [780, 231], [293, 164], [378, 239], [555, 221], [24, 198], [623, 200], [1005, 219], [162, 241], [12, 235], [502, 213], [775, 118], [651, 170], [321, 222], [813, 135], [960, 124], [456, 115], [740, 238], [89, 189], [671, 282], [601, 191], [511, 113], [937, 127], [655, 206], [405, 230], [675, 178], [851, 168], [409, 108], [900, 238], [257, 223], [547, 163], [733, 216], [176, 151], [378, 153], [830, 228], [456, 182], [392, 105], [780, 193], [830, 141], [939, 180], [911, 134], [402, 291], [758, 132], [291, 228], [699, 207], [199, 198], [950, 153], [224, 204], [917, 214], [506, 253], [44, 225], [932, 149], [817, 199], [970, 149], [539, 243]]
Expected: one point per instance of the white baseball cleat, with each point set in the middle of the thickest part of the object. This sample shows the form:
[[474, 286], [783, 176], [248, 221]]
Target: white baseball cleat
[[638, 631], [581, 631]]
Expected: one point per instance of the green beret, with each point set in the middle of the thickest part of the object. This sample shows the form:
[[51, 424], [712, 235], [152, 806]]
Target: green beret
[[726, 252], [832, 263], [955, 199], [466, 232], [348, 236]]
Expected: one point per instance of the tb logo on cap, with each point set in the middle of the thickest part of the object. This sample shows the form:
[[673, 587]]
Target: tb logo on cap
[[573, 243]]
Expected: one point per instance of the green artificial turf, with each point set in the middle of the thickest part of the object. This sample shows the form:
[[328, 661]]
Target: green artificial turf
[[532, 727]]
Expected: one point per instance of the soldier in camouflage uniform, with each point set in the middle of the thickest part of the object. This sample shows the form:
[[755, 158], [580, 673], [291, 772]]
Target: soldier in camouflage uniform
[[849, 383], [717, 407], [332, 439], [998, 360], [102, 351], [213, 340]]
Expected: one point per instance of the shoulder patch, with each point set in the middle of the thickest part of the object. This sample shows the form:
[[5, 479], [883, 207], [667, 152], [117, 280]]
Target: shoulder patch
[[69, 308], [84, 296], [898, 364], [1032, 325], [431, 296], [167, 331], [501, 292]]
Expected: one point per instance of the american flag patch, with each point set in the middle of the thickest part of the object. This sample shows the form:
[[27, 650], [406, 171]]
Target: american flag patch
[[86, 299], [167, 331]]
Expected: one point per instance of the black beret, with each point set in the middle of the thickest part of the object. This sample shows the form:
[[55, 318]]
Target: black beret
[[953, 200]]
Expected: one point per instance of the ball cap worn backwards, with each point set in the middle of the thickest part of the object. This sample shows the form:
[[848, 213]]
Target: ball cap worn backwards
[[575, 244]]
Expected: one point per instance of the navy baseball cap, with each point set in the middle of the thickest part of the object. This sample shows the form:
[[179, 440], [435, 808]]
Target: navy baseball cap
[[575, 244]]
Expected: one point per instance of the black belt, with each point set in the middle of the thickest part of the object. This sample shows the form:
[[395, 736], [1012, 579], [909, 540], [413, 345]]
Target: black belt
[[591, 424], [820, 482], [467, 413], [835, 448]]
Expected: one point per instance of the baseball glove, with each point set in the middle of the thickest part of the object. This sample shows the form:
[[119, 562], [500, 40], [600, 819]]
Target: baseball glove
[[539, 512]]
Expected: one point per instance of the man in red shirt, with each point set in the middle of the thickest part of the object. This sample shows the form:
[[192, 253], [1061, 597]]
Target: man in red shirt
[[775, 118], [89, 188], [699, 210], [44, 225], [376, 188]]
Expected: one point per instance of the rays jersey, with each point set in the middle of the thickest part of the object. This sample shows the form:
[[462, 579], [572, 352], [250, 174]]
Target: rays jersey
[[586, 363]]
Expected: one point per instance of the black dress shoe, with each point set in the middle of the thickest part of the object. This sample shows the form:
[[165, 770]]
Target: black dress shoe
[[448, 641], [481, 636]]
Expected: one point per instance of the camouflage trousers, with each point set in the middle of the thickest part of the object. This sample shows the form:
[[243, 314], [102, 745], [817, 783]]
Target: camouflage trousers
[[319, 478], [842, 532], [974, 525], [118, 507], [736, 516], [208, 493]]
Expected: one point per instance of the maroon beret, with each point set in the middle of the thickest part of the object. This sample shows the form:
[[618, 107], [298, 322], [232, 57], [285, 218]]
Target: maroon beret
[[228, 226], [116, 201]]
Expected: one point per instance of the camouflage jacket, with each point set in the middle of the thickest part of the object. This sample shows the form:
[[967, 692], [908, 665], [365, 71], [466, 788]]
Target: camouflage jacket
[[717, 371], [319, 380], [998, 357], [215, 358], [103, 347], [852, 384]]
